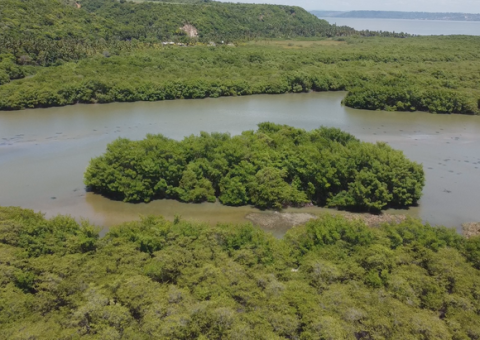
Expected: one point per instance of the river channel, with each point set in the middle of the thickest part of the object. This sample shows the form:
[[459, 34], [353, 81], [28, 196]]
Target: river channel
[[44, 152]]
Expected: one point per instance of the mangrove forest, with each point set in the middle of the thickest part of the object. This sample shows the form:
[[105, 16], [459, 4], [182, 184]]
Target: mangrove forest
[[59, 52], [272, 167], [155, 279]]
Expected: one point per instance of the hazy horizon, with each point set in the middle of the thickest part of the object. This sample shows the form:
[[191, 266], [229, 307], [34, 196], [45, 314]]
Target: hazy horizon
[[435, 6]]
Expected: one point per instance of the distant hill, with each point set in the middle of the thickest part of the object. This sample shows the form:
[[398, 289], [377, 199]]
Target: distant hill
[[399, 15], [45, 31], [213, 20]]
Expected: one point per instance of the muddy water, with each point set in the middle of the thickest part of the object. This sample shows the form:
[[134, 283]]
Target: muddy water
[[44, 152]]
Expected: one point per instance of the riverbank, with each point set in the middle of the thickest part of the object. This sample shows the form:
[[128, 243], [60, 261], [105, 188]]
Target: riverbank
[[379, 73], [274, 220], [283, 220]]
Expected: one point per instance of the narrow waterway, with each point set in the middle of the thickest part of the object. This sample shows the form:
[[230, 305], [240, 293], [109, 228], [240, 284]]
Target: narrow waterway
[[44, 152]]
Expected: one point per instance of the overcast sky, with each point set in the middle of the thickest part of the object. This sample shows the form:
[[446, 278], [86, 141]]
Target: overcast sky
[[465, 6]]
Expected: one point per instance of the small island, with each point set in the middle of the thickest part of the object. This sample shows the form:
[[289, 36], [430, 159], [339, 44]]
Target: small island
[[270, 168]]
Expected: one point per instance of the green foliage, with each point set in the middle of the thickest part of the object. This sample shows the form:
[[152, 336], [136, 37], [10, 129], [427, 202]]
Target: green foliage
[[59, 235], [158, 279], [153, 21], [194, 189], [233, 192], [9, 70], [25, 281], [273, 167], [269, 190], [49, 32], [100, 51], [436, 74], [472, 251], [378, 97]]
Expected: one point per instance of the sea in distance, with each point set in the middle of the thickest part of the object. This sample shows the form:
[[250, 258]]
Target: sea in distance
[[417, 27]]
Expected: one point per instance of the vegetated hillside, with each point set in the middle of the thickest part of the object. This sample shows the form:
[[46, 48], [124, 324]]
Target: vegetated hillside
[[400, 15], [435, 74], [47, 32], [214, 21], [275, 166], [154, 279], [44, 31]]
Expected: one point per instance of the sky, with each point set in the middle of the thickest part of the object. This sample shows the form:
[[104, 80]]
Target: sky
[[464, 6]]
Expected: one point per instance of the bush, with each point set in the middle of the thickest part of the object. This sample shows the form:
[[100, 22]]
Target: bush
[[271, 168]]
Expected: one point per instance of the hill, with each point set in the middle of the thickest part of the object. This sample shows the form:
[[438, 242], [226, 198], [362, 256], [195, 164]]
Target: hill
[[46, 31], [99, 51], [214, 21]]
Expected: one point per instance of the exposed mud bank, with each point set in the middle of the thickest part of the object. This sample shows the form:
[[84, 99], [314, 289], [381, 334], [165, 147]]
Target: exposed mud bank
[[471, 229], [271, 220]]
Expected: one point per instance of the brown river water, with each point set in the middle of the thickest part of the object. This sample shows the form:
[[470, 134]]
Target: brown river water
[[44, 152]]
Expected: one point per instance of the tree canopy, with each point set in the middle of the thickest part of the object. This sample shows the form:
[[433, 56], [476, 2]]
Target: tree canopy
[[275, 166], [154, 279], [62, 52], [435, 74], [49, 32]]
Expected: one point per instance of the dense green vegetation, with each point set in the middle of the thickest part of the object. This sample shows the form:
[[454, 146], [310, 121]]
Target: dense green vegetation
[[155, 279], [45, 32], [436, 74], [269, 168], [53, 54], [48, 32], [214, 21]]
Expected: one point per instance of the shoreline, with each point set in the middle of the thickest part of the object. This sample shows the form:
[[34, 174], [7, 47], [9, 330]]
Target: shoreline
[[78, 103], [286, 220], [229, 95]]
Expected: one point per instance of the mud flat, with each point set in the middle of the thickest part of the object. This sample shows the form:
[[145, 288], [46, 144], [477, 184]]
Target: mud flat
[[270, 220], [375, 220], [285, 220], [471, 229]]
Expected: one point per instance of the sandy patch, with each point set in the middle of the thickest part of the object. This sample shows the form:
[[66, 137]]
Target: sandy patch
[[190, 30], [471, 229], [276, 220], [375, 220]]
